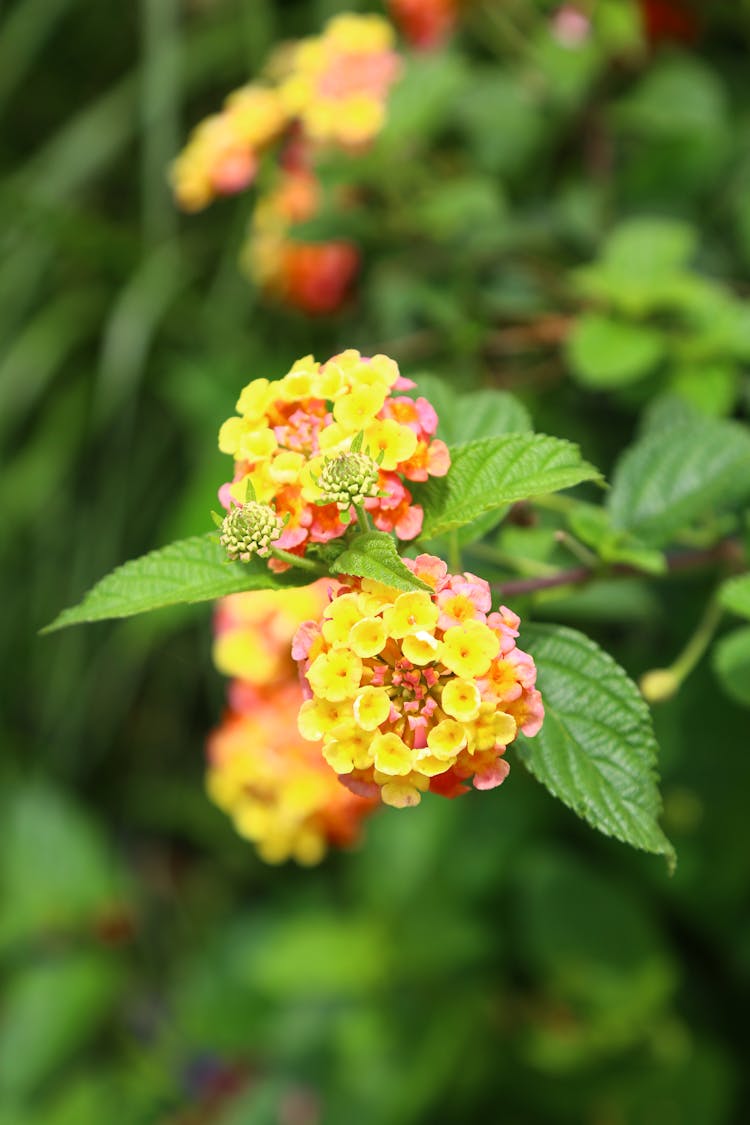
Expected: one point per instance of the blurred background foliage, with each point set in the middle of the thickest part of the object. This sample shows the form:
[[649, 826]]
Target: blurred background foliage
[[566, 220]]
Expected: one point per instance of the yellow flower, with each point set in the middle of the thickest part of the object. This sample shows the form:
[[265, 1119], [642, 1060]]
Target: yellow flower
[[420, 648], [372, 707], [340, 617], [446, 739], [320, 718], [389, 443], [368, 636], [461, 699], [411, 614], [356, 410], [391, 755], [335, 675], [255, 399], [468, 649]]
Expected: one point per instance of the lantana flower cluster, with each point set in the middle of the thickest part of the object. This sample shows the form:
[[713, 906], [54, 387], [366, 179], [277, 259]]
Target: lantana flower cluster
[[276, 787], [326, 91], [338, 82], [416, 691], [285, 434], [426, 24], [315, 277]]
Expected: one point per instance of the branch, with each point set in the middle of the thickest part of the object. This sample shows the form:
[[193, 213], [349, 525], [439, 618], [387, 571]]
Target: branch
[[728, 550]]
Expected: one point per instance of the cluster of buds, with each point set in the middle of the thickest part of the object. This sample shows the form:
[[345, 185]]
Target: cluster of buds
[[276, 787], [286, 432], [416, 691], [348, 478], [250, 529]]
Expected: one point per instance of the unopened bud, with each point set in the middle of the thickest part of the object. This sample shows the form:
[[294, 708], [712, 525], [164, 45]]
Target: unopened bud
[[659, 685], [349, 478], [249, 529]]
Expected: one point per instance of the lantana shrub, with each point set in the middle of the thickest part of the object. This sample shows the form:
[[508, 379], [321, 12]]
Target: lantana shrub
[[379, 653], [410, 679]]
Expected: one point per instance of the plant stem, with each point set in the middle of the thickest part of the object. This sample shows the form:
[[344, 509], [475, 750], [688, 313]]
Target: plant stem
[[362, 518], [728, 550], [295, 560], [698, 643]]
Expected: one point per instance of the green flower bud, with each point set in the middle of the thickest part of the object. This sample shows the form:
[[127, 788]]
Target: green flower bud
[[250, 528], [349, 478]]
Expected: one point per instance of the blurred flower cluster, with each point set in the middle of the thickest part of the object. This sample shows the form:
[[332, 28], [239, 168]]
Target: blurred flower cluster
[[416, 691], [321, 93], [426, 24], [276, 787], [285, 433]]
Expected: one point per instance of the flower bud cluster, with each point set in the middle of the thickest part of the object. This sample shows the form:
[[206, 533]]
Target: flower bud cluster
[[286, 432], [419, 690], [248, 529], [348, 478]]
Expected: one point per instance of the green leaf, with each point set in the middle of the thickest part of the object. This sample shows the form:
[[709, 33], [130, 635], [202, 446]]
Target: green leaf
[[492, 472], [710, 388], [40, 897], [604, 352], [731, 660], [190, 570], [671, 477], [373, 555], [50, 1010], [478, 414], [734, 595], [596, 750], [593, 526]]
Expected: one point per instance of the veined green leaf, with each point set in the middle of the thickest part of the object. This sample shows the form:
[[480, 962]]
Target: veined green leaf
[[190, 570], [492, 472], [596, 750], [671, 477], [734, 595], [373, 555]]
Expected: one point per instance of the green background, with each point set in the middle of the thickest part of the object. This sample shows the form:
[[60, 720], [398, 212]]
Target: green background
[[490, 959]]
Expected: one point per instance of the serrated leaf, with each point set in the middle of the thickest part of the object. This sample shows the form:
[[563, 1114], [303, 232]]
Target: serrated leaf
[[731, 660], [606, 353], [670, 478], [190, 570], [596, 750], [492, 472], [734, 595], [373, 555], [477, 414]]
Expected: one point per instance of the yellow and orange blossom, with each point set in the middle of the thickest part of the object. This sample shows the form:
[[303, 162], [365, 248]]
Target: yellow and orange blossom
[[419, 690]]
